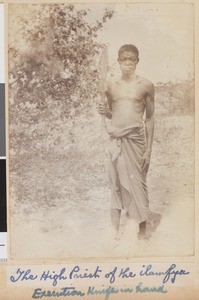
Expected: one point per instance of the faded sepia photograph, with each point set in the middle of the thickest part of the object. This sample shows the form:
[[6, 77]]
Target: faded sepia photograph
[[101, 130]]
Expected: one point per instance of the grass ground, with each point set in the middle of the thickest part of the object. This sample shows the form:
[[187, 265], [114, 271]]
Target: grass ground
[[60, 198]]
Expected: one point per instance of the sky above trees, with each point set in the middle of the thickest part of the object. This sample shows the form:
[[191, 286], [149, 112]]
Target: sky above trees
[[164, 34]]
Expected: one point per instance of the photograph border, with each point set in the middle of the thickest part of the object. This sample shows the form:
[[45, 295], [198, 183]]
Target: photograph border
[[192, 260]]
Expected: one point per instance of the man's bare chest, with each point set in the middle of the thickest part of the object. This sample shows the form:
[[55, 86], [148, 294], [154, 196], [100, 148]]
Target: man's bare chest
[[130, 92]]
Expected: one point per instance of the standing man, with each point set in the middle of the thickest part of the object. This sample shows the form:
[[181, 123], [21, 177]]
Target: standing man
[[129, 99]]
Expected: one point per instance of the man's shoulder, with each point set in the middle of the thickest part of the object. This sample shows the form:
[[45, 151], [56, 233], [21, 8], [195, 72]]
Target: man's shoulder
[[147, 86], [146, 83], [112, 82]]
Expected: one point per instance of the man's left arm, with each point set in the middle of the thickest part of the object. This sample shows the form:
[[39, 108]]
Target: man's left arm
[[149, 127]]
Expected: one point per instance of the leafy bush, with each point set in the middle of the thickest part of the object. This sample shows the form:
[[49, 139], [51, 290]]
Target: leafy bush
[[176, 98], [53, 68]]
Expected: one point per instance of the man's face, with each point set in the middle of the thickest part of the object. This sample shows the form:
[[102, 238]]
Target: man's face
[[128, 61]]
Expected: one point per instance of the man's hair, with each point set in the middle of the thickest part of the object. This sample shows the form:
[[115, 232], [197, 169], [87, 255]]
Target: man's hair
[[129, 48]]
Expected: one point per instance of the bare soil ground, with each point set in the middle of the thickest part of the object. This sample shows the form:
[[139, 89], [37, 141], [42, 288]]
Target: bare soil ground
[[60, 198]]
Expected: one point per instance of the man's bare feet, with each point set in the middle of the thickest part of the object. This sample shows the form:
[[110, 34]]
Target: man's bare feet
[[142, 235]]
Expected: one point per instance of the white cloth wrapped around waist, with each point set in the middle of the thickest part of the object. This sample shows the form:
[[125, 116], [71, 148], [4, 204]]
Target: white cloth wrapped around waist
[[135, 132], [127, 182]]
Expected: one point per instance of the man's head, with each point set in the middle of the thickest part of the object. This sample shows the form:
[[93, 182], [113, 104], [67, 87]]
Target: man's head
[[128, 57]]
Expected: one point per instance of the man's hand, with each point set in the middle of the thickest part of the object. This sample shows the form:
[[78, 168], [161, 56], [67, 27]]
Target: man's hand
[[104, 110], [146, 162]]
